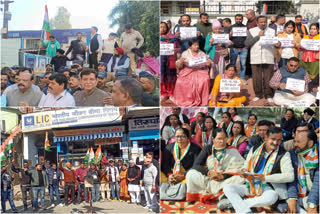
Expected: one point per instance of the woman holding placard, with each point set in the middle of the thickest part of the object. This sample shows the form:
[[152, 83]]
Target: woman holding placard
[[217, 51], [226, 99], [193, 83], [288, 49], [310, 58]]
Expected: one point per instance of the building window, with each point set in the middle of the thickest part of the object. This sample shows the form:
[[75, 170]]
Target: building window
[[183, 5], [166, 7], [32, 43]]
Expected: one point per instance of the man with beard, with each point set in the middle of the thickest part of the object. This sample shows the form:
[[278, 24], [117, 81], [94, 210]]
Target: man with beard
[[267, 170], [261, 59], [4, 83], [303, 192], [300, 28], [78, 48], [205, 27], [134, 182], [57, 94], [151, 91], [238, 47], [24, 94], [119, 63]]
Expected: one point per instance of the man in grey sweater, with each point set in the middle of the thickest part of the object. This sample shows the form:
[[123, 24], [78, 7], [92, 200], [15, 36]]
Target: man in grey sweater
[[149, 183]]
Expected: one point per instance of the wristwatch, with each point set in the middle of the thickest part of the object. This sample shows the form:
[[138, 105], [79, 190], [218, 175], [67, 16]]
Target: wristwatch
[[312, 205]]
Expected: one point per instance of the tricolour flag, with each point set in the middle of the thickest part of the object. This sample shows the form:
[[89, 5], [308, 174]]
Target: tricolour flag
[[86, 158], [91, 156], [264, 9], [46, 143], [2, 158], [10, 147], [46, 26], [98, 155]]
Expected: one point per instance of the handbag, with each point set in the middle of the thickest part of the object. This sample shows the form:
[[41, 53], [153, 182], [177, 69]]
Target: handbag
[[173, 192]]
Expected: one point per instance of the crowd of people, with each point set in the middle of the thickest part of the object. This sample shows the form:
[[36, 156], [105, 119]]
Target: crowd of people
[[107, 181], [200, 67], [242, 166], [124, 76]]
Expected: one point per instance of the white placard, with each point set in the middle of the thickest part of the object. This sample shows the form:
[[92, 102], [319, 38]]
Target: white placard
[[166, 49], [239, 31], [286, 42], [220, 38], [279, 28], [268, 40], [318, 94], [294, 84], [310, 44], [299, 103], [197, 62], [229, 85], [188, 32]]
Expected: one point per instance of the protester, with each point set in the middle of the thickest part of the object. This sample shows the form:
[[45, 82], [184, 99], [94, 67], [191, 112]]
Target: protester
[[237, 137], [119, 63], [134, 173], [94, 174], [234, 114], [252, 127], [74, 84], [113, 179], [6, 190], [124, 194], [182, 117], [95, 46], [78, 48], [108, 48], [308, 118], [198, 123], [300, 28], [288, 124], [81, 173], [204, 135], [149, 185], [171, 124], [279, 23], [205, 28], [69, 181], [127, 92], [59, 61], [4, 82], [104, 185], [52, 45], [54, 176]]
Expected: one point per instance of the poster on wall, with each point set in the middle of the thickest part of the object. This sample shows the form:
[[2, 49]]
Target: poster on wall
[[30, 60]]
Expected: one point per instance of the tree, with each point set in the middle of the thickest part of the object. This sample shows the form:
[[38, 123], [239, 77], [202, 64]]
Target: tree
[[61, 20], [144, 16]]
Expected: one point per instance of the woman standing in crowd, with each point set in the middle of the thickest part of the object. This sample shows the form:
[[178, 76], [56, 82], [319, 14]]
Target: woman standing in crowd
[[124, 194], [171, 124], [204, 135], [310, 59], [285, 53], [178, 157], [226, 123], [168, 63], [193, 83], [252, 127], [238, 138], [223, 99]]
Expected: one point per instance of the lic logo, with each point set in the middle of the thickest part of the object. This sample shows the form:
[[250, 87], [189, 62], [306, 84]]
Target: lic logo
[[29, 121]]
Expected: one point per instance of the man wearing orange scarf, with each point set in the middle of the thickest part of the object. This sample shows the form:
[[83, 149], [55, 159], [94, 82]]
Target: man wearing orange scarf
[[267, 169], [303, 192]]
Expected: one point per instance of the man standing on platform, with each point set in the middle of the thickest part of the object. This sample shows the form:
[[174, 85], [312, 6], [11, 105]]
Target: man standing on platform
[[95, 47]]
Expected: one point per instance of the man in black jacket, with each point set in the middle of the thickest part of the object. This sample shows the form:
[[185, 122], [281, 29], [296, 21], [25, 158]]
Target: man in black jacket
[[95, 47], [59, 61], [134, 173], [94, 173], [25, 183], [6, 189], [78, 48]]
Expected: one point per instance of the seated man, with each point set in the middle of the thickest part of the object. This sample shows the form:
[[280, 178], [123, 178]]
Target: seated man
[[105, 81], [205, 184], [285, 97], [151, 91], [74, 83], [303, 192], [267, 169], [59, 60], [308, 118], [119, 63]]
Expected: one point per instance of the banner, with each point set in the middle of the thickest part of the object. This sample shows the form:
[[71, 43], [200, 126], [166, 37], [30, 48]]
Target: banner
[[239, 31], [147, 123], [220, 38], [69, 117], [268, 40], [229, 85], [166, 49], [310, 44], [188, 32]]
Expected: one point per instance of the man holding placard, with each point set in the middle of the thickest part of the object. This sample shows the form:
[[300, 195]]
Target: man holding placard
[[279, 24], [205, 27], [186, 32], [238, 36], [262, 58], [291, 84]]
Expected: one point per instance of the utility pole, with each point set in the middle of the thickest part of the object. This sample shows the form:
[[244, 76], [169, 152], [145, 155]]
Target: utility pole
[[6, 18]]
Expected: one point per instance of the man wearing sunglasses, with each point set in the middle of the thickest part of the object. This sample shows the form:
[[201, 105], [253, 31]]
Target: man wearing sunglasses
[[285, 94]]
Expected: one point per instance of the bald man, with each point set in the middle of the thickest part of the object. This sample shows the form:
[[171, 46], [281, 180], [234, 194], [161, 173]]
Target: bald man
[[69, 180], [252, 20]]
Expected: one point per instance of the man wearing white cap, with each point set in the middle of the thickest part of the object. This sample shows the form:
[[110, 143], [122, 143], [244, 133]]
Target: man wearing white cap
[[134, 173], [149, 183]]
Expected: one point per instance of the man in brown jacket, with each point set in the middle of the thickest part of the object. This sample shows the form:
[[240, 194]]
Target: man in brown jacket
[[69, 181], [104, 185]]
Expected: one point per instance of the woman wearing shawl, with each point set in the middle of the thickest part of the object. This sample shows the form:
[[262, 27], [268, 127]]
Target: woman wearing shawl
[[216, 165], [204, 135], [225, 99], [198, 123], [226, 123], [218, 52], [238, 139], [193, 83], [234, 114], [124, 194], [171, 124], [178, 157], [252, 127], [168, 71], [310, 59], [149, 63]]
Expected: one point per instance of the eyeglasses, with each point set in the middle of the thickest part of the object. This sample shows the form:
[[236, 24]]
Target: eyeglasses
[[293, 65], [181, 137]]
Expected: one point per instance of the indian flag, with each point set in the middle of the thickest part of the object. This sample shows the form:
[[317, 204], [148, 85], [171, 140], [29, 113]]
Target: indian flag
[[10, 147], [46, 26], [98, 155], [46, 143], [3, 158], [86, 158], [91, 156]]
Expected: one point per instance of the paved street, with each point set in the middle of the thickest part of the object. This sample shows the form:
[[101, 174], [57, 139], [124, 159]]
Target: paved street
[[101, 207]]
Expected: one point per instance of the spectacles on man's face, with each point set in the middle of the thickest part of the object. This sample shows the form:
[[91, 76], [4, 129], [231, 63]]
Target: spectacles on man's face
[[293, 65], [181, 137]]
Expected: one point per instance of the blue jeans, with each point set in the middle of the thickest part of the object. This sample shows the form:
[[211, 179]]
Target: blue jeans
[[54, 188], [115, 190], [80, 187], [36, 191], [95, 193], [8, 195], [243, 57]]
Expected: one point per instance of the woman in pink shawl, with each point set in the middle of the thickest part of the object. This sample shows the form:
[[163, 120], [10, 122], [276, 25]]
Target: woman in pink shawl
[[193, 82]]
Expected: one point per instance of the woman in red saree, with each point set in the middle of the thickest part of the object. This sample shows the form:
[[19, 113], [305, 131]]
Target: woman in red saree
[[124, 194], [193, 82]]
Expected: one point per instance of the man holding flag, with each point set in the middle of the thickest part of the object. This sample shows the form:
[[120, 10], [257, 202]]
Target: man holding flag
[[94, 174], [69, 181], [82, 172], [47, 39]]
